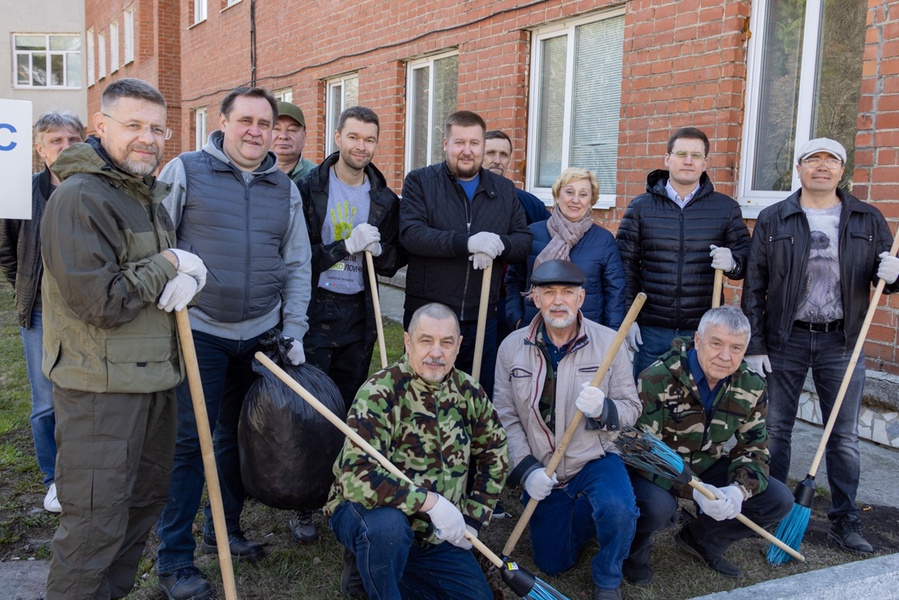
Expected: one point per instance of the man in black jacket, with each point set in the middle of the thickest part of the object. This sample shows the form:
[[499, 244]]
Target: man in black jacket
[[20, 261], [666, 238], [456, 218], [814, 257]]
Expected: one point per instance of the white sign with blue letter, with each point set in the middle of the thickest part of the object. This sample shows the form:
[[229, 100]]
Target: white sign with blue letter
[[15, 159]]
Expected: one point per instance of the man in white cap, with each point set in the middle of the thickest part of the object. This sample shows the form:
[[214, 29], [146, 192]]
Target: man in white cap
[[812, 262]]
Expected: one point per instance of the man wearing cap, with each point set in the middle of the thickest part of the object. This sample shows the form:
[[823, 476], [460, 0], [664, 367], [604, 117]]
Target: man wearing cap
[[289, 141], [813, 260], [543, 376]]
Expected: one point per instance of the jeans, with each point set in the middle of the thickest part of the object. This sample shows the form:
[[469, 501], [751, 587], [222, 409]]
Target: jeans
[[656, 342], [826, 355], [393, 564], [658, 511], [43, 420], [598, 500], [226, 372]]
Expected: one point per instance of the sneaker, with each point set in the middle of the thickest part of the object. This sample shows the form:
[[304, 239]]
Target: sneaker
[[845, 531], [685, 541], [241, 548], [350, 580], [636, 573], [499, 512], [185, 584], [51, 501], [302, 527]]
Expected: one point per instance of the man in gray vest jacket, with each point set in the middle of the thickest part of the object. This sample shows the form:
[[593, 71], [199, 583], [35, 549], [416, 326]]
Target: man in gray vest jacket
[[235, 209]]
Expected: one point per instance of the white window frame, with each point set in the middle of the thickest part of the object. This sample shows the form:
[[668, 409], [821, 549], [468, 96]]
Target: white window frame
[[128, 25], [48, 53], [335, 84], [201, 124], [753, 201], [283, 95], [90, 57], [199, 11], [230, 3], [101, 55], [113, 47], [569, 28], [411, 66]]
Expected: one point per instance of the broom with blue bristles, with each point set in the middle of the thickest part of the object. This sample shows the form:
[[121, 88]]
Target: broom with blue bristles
[[792, 528], [642, 450]]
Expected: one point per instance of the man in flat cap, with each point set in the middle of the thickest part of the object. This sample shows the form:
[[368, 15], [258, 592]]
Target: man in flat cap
[[289, 140], [812, 262], [543, 376]]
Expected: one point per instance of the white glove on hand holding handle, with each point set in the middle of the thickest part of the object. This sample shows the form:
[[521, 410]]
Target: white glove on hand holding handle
[[449, 524], [362, 237], [634, 340], [759, 363], [538, 485], [590, 401], [480, 261], [722, 258], [889, 268], [190, 264], [726, 505], [486, 243], [178, 292]]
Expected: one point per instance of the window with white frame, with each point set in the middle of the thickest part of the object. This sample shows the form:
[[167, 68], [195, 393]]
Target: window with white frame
[[199, 11], [200, 128], [283, 95], [90, 56], [431, 91], [804, 82], [342, 92], [47, 60], [113, 47], [230, 3], [575, 102], [101, 55], [128, 25]]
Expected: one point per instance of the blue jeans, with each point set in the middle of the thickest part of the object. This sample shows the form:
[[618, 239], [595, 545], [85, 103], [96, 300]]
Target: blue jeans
[[226, 372], [43, 420], [393, 564], [599, 500], [656, 342], [825, 354]]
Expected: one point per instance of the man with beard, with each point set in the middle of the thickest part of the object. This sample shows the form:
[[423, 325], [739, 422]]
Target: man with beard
[[349, 210], [289, 141], [233, 207], [455, 218], [110, 345], [543, 376]]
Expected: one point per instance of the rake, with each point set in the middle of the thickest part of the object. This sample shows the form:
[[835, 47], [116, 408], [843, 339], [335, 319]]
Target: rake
[[520, 581], [642, 450]]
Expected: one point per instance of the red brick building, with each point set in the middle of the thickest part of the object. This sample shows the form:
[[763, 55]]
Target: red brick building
[[592, 83]]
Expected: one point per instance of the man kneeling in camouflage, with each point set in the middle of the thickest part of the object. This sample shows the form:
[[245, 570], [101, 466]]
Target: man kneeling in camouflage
[[695, 398], [436, 424]]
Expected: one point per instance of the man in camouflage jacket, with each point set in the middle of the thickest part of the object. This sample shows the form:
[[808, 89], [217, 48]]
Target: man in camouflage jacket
[[695, 398], [436, 424]]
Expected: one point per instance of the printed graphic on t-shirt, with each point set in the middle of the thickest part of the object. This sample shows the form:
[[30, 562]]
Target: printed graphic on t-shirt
[[822, 302], [348, 206], [342, 220]]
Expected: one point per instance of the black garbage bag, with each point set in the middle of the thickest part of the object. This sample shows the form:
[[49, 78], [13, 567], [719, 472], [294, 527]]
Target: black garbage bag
[[287, 449]]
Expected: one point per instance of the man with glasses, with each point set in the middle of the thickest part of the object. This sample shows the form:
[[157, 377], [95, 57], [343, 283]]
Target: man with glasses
[[814, 258], [111, 279], [666, 239], [233, 207]]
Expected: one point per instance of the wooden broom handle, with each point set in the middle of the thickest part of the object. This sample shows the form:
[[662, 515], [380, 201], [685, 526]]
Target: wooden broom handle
[[482, 323], [853, 360], [359, 441], [562, 445], [716, 288], [189, 354], [376, 301]]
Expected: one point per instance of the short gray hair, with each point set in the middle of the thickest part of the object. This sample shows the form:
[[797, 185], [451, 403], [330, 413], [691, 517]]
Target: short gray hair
[[53, 120], [729, 317], [436, 311], [130, 87]]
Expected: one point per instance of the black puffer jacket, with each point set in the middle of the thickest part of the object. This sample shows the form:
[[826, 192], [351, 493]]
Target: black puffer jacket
[[665, 250], [20, 250], [778, 266], [436, 220]]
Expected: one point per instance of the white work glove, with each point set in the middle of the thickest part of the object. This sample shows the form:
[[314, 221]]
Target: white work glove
[[449, 524], [538, 485], [722, 258], [295, 354], [759, 363], [361, 237], [735, 495], [634, 340], [480, 261], [720, 508], [487, 243], [463, 542], [190, 264], [178, 292], [590, 401], [374, 248], [889, 267]]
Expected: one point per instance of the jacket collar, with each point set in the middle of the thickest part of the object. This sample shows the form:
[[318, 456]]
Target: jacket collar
[[485, 182], [322, 172], [656, 180], [533, 332]]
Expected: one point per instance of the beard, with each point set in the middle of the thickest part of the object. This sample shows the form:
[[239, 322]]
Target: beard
[[137, 168], [560, 322]]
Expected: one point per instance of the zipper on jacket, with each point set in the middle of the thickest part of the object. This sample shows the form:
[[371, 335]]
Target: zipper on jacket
[[467, 271]]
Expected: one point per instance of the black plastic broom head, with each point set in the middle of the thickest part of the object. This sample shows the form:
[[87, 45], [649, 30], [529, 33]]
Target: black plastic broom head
[[526, 585]]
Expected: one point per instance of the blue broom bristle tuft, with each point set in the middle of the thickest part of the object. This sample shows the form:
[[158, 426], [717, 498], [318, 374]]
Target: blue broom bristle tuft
[[544, 591], [790, 531]]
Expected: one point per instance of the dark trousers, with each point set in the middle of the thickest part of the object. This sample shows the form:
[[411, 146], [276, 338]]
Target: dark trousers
[[112, 475]]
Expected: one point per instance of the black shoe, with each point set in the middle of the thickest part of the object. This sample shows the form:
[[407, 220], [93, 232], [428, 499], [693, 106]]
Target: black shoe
[[717, 563], [636, 573], [185, 584], [603, 594], [302, 526], [845, 532], [350, 580], [499, 512], [241, 548]]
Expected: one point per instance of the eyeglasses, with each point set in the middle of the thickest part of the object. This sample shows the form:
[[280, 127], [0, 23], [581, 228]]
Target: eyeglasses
[[138, 128], [680, 154], [815, 162]]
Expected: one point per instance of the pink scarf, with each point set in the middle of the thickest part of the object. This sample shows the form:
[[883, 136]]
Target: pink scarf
[[565, 234]]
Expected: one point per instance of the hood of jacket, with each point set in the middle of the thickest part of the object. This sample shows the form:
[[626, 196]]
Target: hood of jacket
[[215, 146]]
